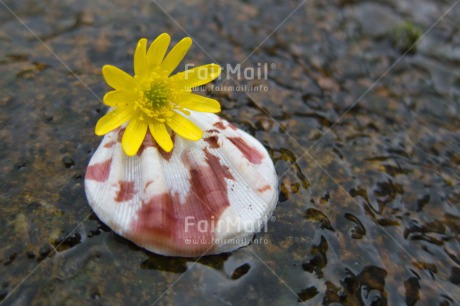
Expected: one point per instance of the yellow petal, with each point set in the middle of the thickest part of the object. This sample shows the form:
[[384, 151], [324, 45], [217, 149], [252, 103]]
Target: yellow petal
[[176, 55], [184, 127], [112, 120], [140, 58], [119, 98], [161, 135], [198, 103], [158, 49], [133, 136], [197, 76], [118, 79]]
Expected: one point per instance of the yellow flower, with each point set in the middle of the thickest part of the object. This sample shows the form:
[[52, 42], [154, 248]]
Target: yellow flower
[[152, 100]]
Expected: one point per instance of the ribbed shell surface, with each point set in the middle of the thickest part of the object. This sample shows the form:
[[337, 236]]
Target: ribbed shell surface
[[204, 197]]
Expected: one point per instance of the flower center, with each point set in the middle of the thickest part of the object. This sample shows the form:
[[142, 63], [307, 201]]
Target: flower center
[[155, 100], [158, 95]]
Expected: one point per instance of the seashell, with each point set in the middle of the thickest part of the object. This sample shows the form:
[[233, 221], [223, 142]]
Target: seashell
[[204, 197]]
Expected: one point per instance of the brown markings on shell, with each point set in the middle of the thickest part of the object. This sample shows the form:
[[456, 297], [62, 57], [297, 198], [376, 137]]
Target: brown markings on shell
[[147, 185], [110, 144], [214, 162], [149, 141], [120, 134], [126, 191], [232, 127], [213, 141], [251, 153], [161, 221], [164, 154], [99, 172], [220, 125], [264, 188], [212, 131]]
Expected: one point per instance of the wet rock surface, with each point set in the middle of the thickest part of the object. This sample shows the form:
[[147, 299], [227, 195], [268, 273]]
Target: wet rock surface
[[363, 127]]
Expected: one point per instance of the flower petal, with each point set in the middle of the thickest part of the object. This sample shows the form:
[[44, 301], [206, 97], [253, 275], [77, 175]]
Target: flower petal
[[157, 50], [161, 135], [140, 58], [134, 136], [176, 55], [184, 127], [112, 120], [197, 76], [198, 103], [119, 98], [118, 79]]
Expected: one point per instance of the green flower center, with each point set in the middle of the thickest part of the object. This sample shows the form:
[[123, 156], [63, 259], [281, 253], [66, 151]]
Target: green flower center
[[156, 100], [158, 95]]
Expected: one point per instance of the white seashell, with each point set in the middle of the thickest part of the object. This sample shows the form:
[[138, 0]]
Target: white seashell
[[204, 197]]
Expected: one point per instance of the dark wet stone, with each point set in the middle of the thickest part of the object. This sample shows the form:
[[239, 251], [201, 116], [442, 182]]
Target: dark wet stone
[[48, 118], [21, 165], [240, 271], [307, 294], [412, 287], [68, 162], [3, 293], [318, 258], [44, 251], [318, 216], [63, 243], [358, 230], [164, 265], [10, 259], [455, 275], [96, 296]]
